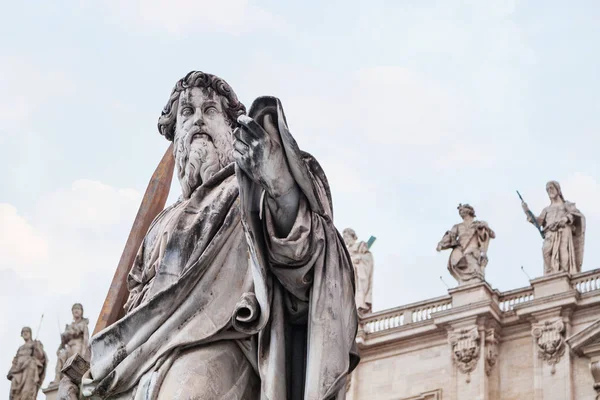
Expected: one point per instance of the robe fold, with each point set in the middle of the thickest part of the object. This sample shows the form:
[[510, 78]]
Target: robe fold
[[211, 269]]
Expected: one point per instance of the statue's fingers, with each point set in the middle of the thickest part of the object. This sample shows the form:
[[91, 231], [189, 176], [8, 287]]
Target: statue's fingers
[[241, 160], [240, 146], [252, 126], [243, 136]]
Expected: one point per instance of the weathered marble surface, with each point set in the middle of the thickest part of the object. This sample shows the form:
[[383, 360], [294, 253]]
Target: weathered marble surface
[[28, 368], [469, 242], [564, 232], [362, 260], [75, 339], [241, 289]]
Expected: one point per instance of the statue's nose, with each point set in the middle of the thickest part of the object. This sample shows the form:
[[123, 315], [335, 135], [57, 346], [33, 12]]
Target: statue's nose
[[198, 119]]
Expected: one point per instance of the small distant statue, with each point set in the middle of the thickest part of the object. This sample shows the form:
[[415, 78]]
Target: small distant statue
[[562, 226], [73, 340], [28, 368], [362, 260], [469, 242]]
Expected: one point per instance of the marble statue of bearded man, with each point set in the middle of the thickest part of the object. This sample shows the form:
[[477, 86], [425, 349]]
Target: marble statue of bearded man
[[28, 369], [242, 289], [564, 232]]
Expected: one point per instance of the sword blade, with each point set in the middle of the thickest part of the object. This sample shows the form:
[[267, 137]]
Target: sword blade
[[153, 203]]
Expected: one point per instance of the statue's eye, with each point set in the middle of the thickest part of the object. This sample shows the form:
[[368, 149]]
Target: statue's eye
[[187, 111], [212, 110]]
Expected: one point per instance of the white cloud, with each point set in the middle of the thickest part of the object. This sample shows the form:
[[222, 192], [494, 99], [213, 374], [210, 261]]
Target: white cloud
[[181, 17], [72, 231], [89, 204], [21, 245]]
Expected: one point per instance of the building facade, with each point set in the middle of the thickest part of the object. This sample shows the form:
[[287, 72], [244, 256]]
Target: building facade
[[540, 342]]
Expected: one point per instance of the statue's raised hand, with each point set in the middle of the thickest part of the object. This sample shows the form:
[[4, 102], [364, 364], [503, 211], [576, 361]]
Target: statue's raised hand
[[259, 153]]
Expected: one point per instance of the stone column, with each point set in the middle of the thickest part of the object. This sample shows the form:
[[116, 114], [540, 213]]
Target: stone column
[[595, 370]]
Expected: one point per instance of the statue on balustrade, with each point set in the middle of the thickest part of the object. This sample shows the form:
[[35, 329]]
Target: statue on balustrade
[[469, 242], [73, 340], [242, 289], [562, 226], [28, 368], [362, 260]]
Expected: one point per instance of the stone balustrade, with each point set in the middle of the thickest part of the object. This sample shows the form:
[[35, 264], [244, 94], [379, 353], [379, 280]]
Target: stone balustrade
[[411, 313], [417, 312], [586, 281], [508, 300]]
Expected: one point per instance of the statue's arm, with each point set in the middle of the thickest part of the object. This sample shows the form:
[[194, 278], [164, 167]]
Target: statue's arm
[[259, 153], [13, 367], [449, 239], [541, 219]]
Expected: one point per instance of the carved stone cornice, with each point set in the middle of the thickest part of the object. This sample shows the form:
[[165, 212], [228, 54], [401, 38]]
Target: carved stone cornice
[[465, 346], [550, 340]]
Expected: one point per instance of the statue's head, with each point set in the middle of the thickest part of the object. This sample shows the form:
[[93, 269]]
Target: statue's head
[[26, 333], [554, 191], [466, 210], [77, 310], [199, 118], [349, 236]]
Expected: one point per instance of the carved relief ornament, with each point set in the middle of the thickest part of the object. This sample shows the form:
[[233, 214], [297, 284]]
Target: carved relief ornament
[[491, 350], [550, 341], [465, 349]]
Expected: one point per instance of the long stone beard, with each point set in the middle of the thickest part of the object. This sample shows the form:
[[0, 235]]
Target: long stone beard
[[197, 161]]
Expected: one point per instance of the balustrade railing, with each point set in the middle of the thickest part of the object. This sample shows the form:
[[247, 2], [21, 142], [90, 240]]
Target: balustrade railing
[[411, 313], [586, 281], [508, 300]]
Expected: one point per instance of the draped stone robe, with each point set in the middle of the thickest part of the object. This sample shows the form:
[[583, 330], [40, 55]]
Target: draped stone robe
[[469, 243], [211, 270], [27, 371]]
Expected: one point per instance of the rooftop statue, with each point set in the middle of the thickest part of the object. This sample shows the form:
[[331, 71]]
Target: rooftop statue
[[469, 242], [562, 226], [28, 369], [75, 339], [362, 260]]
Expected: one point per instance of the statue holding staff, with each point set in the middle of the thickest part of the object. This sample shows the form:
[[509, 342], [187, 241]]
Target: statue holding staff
[[28, 369], [563, 228]]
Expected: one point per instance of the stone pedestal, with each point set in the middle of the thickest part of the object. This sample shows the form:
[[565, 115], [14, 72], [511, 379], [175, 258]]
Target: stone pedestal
[[471, 293], [50, 392]]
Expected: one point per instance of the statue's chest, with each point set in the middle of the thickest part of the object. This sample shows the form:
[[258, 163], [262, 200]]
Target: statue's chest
[[555, 213], [187, 228]]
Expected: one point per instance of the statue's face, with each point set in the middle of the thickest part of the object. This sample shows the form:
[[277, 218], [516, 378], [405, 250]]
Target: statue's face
[[26, 334], [77, 312], [203, 141], [349, 237], [464, 212], [552, 191]]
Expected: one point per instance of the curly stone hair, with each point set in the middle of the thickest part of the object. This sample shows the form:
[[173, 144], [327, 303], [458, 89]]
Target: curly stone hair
[[467, 207], [231, 105]]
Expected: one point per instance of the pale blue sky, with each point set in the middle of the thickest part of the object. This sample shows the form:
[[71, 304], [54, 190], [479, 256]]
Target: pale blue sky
[[410, 106]]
